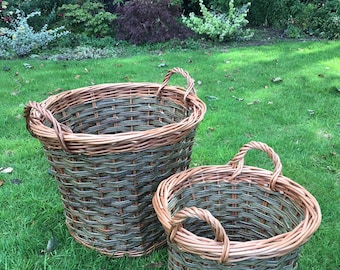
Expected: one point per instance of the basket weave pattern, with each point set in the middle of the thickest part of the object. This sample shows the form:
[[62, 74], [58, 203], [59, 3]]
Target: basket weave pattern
[[109, 146], [235, 216]]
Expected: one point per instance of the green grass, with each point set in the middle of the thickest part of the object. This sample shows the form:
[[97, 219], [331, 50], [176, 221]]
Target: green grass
[[298, 117]]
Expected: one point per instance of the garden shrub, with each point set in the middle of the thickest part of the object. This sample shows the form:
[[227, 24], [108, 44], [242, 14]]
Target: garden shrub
[[89, 19], [220, 26], [46, 7], [20, 38], [313, 17], [325, 21], [150, 21]]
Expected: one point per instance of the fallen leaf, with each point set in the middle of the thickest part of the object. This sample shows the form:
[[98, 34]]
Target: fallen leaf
[[199, 82], [162, 65], [77, 77], [16, 181], [51, 244], [231, 88], [2, 182], [211, 98], [6, 170], [56, 91], [9, 153], [311, 112], [237, 98], [154, 265], [26, 65], [253, 102], [277, 79], [86, 70], [330, 169], [249, 134]]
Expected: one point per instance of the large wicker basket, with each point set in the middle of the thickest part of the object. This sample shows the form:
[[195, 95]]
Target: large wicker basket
[[109, 147], [235, 216]]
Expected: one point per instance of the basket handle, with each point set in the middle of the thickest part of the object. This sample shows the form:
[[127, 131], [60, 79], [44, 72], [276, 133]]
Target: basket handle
[[205, 215], [237, 161], [59, 128], [190, 83]]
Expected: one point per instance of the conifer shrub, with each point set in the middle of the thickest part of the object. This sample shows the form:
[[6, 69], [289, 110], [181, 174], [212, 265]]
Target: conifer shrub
[[21, 39]]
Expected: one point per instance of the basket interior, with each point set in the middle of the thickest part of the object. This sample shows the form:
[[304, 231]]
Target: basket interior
[[112, 116], [246, 211]]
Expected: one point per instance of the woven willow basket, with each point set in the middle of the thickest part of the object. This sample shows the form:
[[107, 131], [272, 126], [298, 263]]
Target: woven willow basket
[[109, 146], [235, 216]]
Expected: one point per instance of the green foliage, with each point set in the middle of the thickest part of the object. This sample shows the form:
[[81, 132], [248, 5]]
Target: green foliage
[[219, 26], [314, 17], [47, 9], [325, 21], [21, 39], [89, 19], [293, 31], [275, 113]]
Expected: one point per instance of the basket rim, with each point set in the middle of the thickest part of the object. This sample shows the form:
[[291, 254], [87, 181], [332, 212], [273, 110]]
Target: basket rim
[[211, 249], [38, 129]]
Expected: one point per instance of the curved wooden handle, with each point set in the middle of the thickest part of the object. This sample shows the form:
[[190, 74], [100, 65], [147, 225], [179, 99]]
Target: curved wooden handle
[[205, 215], [237, 161], [190, 82], [60, 129]]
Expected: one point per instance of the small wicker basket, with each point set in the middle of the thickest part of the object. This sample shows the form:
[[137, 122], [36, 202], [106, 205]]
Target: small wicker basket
[[109, 146], [235, 216]]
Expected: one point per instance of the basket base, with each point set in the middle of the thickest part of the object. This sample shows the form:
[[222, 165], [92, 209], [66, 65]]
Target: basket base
[[122, 250], [179, 260]]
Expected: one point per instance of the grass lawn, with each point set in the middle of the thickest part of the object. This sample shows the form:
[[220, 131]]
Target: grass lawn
[[285, 95]]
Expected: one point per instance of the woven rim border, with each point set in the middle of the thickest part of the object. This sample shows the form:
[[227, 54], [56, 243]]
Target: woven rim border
[[221, 249], [35, 114]]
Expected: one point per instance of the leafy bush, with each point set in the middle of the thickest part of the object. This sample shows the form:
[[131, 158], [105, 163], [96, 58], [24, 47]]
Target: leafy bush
[[325, 21], [89, 19], [219, 26], [150, 21], [46, 7], [315, 17], [21, 38]]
